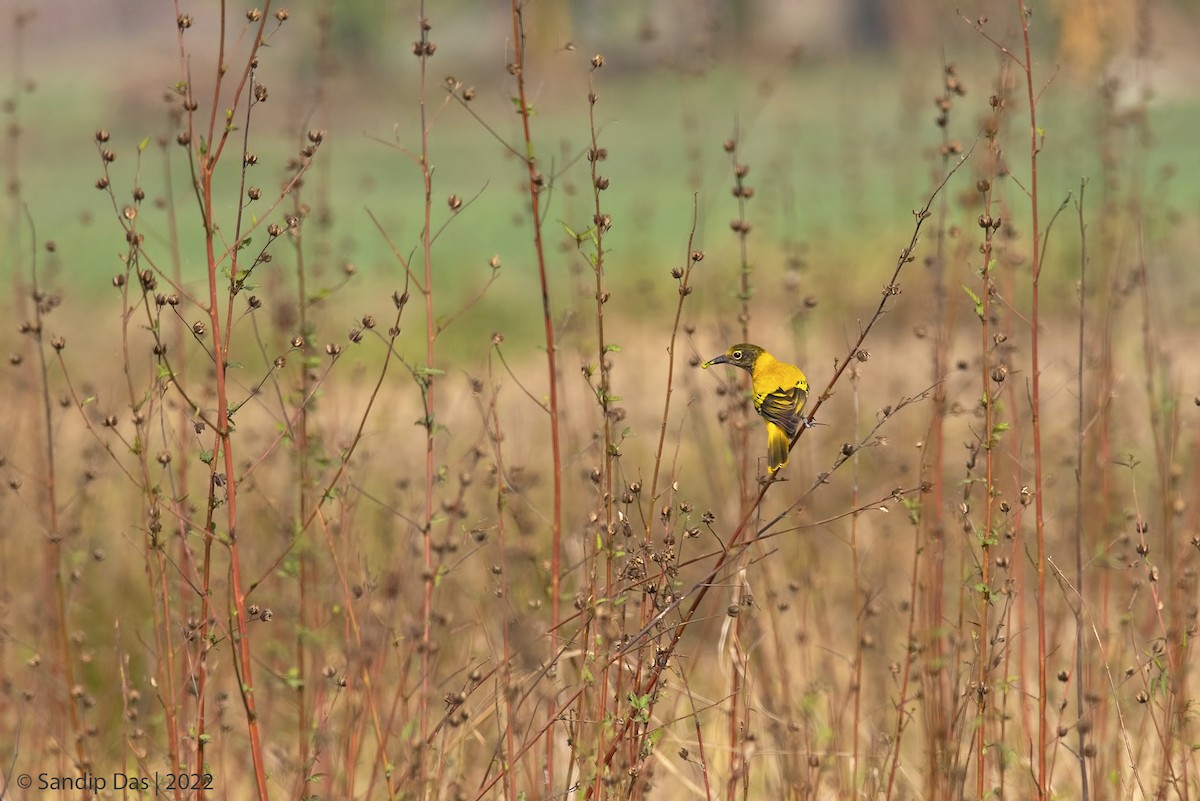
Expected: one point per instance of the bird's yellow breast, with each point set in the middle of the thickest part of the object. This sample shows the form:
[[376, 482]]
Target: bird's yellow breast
[[770, 374]]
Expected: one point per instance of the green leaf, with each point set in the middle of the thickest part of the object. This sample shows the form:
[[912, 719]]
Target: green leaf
[[527, 110], [974, 299], [292, 678], [142, 145]]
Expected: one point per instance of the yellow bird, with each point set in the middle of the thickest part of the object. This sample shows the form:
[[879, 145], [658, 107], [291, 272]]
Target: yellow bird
[[780, 390]]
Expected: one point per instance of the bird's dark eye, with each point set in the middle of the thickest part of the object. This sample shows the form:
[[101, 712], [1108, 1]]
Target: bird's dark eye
[[737, 354]]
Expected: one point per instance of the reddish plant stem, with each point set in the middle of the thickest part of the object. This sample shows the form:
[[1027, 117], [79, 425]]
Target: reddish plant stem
[[505, 669], [1042, 779], [859, 602], [736, 745], [308, 565], [742, 228], [221, 334], [932, 528], [1080, 440], [909, 653], [54, 551], [427, 380], [600, 223], [990, 441], [536, 183]]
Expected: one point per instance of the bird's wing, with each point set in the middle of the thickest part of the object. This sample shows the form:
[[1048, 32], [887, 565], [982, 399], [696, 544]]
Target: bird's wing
[[782, 406]]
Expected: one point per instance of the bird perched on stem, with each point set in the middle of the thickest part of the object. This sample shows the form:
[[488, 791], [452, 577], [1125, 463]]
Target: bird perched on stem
[[780, 390]]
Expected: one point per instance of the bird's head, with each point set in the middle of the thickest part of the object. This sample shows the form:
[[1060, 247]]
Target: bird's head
[[743, 355]]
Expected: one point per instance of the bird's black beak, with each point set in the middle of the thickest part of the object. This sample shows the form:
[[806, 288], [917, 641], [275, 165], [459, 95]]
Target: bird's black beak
[[722, 359]]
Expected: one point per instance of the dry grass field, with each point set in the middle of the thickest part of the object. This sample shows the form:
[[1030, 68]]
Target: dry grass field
[[354, 443]]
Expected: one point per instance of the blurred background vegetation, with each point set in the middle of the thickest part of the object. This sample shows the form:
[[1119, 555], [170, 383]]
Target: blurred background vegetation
[[833, 107], [833, 102]]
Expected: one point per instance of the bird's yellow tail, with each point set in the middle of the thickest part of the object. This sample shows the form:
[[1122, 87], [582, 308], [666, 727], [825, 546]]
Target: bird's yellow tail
[[777, 447]]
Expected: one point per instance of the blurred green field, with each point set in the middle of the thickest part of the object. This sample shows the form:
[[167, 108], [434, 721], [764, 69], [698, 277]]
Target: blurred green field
[[841, 150]]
